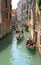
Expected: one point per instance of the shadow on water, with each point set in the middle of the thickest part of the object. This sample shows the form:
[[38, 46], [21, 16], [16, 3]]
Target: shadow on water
[[32, 51], [6, 41], [19, 41]]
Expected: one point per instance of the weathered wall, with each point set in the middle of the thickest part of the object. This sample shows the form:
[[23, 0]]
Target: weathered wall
[[0, 19], [0, 12], [5, 18], [38, 28]]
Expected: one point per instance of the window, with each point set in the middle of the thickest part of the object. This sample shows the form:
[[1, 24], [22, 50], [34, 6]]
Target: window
[[24, 6], [27, 6], [10, 6], [35, 36], [30, 2], [6, 15], [2, 13], [29, 16], [27, 12], [10, 15], [6, 3], [0, 27]]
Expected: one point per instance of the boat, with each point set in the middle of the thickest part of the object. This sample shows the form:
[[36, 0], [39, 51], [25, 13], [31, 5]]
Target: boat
[[20, 36], [26, 28], [18, 30], [30, 44]]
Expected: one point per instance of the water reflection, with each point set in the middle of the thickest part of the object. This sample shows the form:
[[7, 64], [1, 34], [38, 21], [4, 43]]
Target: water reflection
[[31, 51], [19, 54], [5, 42], [5, 47]]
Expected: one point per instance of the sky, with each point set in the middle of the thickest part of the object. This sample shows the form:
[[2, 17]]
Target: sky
[[14, 4]]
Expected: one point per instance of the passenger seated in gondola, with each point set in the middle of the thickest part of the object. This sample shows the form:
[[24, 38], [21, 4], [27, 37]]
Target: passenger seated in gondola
[[20, 35], [22, 30], [28, 43]]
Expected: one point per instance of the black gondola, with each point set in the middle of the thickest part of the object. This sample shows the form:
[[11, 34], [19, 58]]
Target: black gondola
[[30, 44]]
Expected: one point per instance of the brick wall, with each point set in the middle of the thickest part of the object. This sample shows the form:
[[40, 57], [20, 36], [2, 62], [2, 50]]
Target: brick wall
[[6, 17]]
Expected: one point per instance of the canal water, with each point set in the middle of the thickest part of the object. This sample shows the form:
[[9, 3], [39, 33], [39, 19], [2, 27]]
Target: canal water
[[13, 52]]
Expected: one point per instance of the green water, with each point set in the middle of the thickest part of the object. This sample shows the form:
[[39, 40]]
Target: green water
[[16, 53]]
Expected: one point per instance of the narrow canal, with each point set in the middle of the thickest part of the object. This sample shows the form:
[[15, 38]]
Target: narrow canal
[[16, 53]]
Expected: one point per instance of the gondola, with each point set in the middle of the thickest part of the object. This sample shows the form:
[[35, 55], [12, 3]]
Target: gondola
[[27, 28], [18, 30], [20, 36], [30, 44]]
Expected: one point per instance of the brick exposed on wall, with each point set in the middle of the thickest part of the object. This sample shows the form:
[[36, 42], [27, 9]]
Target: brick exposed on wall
[[6, 22]]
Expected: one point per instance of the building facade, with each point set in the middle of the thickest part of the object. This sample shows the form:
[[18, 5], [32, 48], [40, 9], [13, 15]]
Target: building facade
[[35, 23], [24, 11], [5, 17], [19, 11], [14, 16], [38, 28], [32, 17]]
